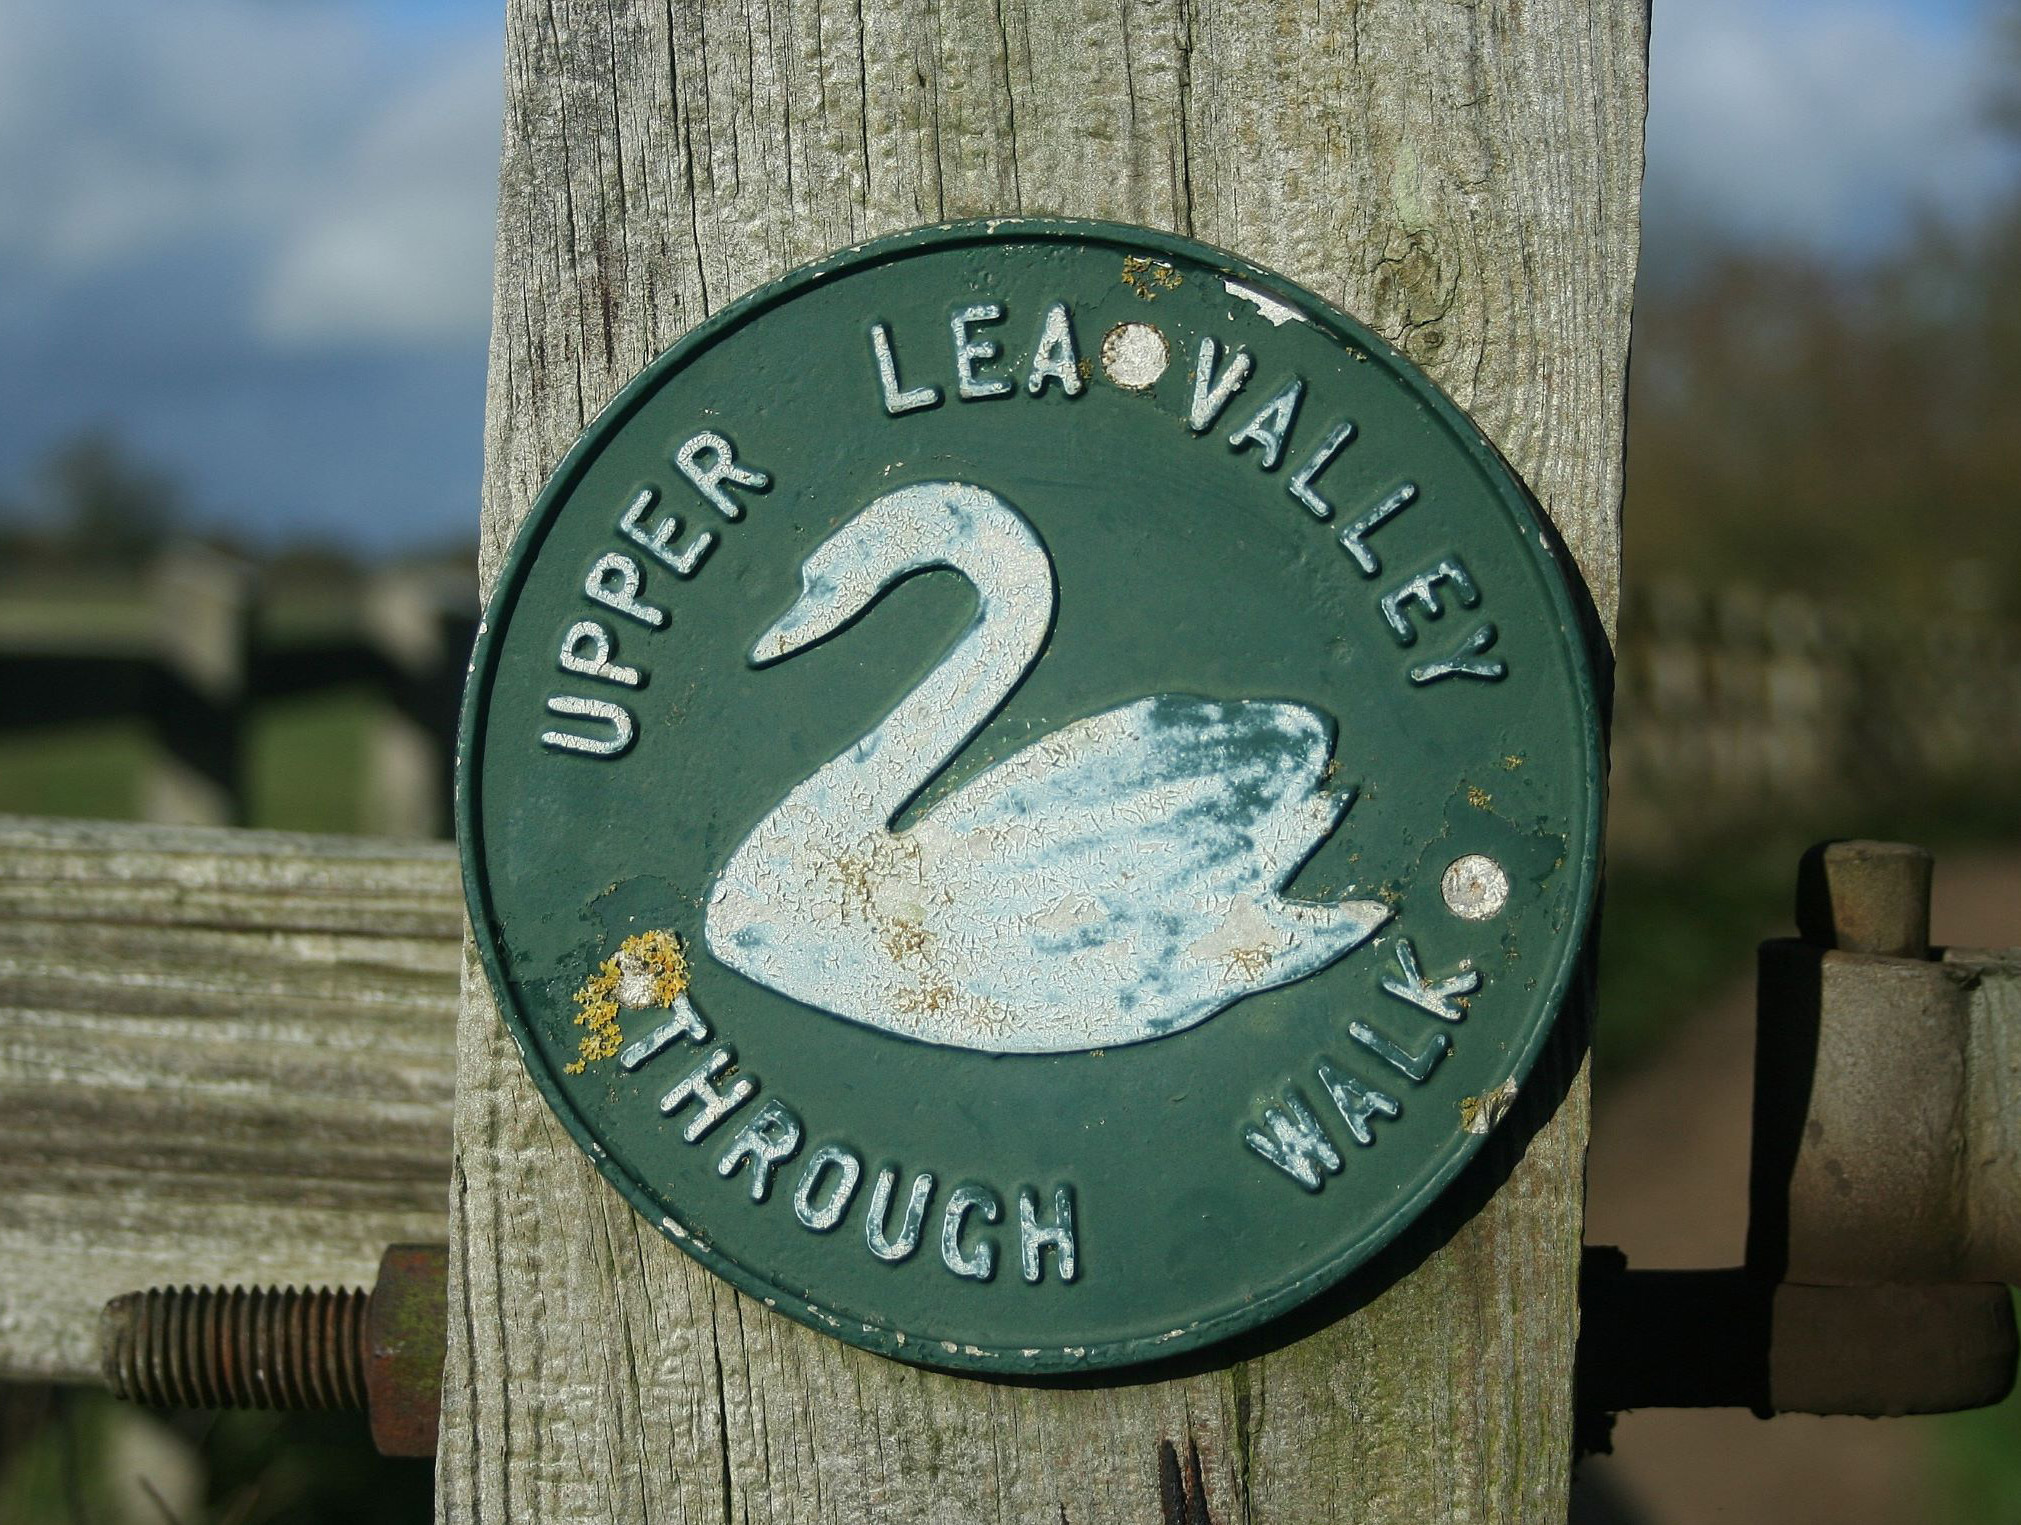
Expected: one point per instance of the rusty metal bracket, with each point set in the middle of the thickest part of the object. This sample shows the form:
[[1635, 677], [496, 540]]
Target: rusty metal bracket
[[1887, 1112], [294, 1348], [1885, 1192], [1731, 1339]]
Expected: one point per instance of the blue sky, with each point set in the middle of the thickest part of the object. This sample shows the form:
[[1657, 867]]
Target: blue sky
[[253, 237]]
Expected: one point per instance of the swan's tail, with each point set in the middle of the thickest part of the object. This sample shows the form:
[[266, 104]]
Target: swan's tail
[[1334, 925]]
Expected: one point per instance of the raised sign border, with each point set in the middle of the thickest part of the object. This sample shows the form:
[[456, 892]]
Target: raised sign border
[[1577, 621]]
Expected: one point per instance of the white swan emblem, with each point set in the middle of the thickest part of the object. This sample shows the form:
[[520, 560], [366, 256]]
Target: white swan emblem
[[1117, 880]]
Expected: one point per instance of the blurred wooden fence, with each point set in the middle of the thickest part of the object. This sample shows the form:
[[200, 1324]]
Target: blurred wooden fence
[[200, 655], [1729, 702]]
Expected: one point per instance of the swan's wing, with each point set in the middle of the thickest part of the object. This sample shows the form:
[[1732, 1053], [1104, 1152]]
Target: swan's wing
[[1232, 788], [1121, 877]]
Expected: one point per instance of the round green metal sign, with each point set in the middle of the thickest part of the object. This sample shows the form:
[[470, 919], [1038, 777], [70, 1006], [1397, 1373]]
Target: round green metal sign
[[1030, 794]]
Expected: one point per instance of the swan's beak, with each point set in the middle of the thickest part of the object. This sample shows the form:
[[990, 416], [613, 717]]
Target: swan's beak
[[775, 643], [815, 615]]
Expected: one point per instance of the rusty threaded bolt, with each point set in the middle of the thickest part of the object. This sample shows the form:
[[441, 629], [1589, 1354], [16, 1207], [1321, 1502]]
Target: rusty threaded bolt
[[236, 1347], [293, 1348]]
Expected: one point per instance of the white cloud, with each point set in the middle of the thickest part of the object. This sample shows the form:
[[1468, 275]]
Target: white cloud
[[1824, 125], [400, 244], [352, 167]]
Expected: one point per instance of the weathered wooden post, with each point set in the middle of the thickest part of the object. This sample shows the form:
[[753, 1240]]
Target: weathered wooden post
[[1464, 178]]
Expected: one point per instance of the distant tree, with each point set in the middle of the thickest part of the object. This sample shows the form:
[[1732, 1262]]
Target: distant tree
[[107, 502], [1852, 433]]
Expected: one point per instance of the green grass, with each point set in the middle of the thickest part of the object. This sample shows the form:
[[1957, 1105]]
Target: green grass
[[83, 770], [305, 765], [1976, 1463]]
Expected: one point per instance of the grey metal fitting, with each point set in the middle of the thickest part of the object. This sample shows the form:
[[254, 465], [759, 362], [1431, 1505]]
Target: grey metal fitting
[[1887, 1147]]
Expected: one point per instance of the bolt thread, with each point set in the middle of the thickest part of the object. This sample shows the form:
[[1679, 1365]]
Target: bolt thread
[[237, 1347]]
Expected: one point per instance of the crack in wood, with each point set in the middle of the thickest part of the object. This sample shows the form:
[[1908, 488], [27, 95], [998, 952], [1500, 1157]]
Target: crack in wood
[[1182, 1496]]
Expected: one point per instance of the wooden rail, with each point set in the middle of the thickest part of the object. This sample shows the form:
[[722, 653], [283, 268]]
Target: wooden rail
[[225, 1056], [199, 660]]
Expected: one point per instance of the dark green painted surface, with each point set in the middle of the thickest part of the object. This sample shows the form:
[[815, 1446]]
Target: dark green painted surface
[[1183, 566]]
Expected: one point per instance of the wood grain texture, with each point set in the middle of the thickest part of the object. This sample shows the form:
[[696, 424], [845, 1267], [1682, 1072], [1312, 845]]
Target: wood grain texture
[[225, 1056], [1462, 176]]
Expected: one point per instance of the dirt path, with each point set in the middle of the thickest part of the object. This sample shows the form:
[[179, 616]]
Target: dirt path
[[1667, 1182]]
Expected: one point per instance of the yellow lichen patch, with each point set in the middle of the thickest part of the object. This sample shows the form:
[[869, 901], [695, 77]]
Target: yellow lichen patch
[[1513, 761], [1149, 277], [649, 969], [1480, 799]]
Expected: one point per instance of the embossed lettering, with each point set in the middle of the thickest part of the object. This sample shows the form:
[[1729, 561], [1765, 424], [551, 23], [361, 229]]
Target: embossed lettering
[[809, 1207], [698, 1086], [1293, 1141], [660, 541], [978, 1264], [1034, 1238], [1210, 391], [897, 401], [615, 581], [1272, 423], [1415, 1066], [1422, 590], [875, 1225], [616, 716], [768, 1138], [1466, 663], [1301, 488], [1354, 538], [1357, 1103], [683, 1021], [596, 661], [1056, 358], [722, 467], [970, 351], [1439, 997]]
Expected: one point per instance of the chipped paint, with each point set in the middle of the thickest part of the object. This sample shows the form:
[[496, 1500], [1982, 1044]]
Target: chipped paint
[[1278, 312], [1480, 1114]]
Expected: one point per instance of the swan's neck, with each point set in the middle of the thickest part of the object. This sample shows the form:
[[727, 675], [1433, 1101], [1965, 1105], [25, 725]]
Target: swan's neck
[[887, 768]]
